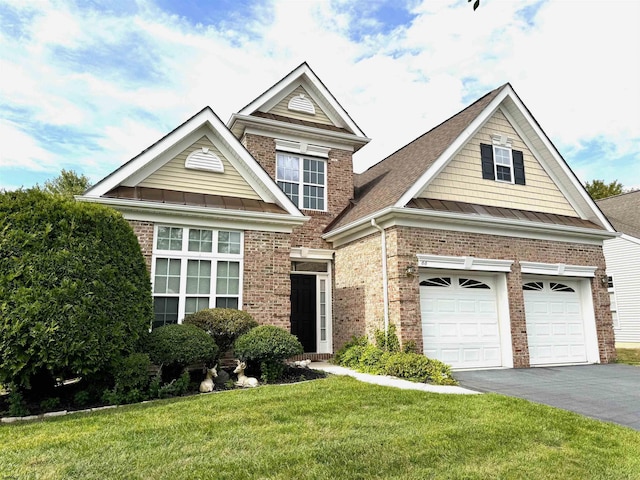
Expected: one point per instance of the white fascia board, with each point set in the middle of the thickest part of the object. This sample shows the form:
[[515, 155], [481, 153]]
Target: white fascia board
[[311, 253], [204, 123], [318, 140], [140, 161], [630, 238], [322, 96], [451, 151], [269, 127], [583, 199], [557, 269], [464, 263], [199, 216], [433, 219]]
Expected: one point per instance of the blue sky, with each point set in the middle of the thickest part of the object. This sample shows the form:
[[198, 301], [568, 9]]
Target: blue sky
[[87, 85]]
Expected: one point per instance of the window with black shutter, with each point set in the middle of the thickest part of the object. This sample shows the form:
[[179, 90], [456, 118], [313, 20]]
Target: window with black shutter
[[502, 164]]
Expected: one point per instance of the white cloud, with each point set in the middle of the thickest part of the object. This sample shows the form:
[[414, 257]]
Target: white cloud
[[575, 66], [20, 150]]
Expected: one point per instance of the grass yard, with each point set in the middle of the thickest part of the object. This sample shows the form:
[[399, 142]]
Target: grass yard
[[336, 428], [630, 356]]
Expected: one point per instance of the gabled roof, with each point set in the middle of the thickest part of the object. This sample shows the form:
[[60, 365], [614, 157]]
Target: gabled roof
[[257, 111], [399, 178], [205, 122], [623, 211]]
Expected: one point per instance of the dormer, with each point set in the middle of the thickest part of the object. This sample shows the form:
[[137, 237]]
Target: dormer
[[304, 139]]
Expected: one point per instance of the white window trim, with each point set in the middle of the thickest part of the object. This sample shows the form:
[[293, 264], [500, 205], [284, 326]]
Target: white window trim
[[301, 182], [325, 346], [613, 301], [495, 164], [184, 255]]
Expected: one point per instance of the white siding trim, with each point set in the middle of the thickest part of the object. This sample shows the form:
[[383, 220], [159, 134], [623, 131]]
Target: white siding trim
[[464, 263], [623, 264], [540, 268]]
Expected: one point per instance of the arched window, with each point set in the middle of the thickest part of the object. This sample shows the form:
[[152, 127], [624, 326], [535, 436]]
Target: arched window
[[436, 282]]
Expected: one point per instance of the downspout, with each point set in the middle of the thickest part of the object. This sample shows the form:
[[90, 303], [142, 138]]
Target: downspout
[[385, 283]]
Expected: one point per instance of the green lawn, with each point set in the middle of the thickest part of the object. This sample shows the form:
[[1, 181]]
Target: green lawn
[[336, 428], [630, 356]]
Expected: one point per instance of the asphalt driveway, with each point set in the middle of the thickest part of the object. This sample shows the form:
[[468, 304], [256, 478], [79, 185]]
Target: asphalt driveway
[[606, 392]]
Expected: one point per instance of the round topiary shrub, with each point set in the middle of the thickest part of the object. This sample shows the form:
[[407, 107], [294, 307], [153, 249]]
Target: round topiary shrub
[[269, 346], [180, 345], [75, 293], [225, 325]]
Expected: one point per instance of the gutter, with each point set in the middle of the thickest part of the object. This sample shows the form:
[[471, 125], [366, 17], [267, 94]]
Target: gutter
[[519, 226], [385, 283]]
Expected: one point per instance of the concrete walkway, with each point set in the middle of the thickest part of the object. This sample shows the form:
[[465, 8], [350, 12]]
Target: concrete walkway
[[605, 392], [387, 381]]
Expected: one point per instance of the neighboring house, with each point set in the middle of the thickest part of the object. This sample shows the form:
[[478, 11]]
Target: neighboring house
[[623, 266], [475, 240]]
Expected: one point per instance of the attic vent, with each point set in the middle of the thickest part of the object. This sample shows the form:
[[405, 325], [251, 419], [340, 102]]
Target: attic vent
[[203, 159], [300, 103]]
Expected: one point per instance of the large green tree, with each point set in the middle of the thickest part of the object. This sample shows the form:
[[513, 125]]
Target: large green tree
[[68, 184], [75, 293], [600, 189]]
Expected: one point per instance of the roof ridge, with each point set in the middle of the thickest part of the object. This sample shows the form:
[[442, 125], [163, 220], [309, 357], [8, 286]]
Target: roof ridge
[[495, 90]]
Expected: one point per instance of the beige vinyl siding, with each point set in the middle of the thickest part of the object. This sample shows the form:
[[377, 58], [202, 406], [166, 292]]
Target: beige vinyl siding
[[174, 176], [281, 109], [623, 264], [461, 180]]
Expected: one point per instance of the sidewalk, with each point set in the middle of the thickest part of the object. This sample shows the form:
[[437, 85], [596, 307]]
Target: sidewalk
[[387, 381]]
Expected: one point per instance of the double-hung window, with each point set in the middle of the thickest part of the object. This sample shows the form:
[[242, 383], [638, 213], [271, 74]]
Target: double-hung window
[[503, 164], [193, 269], [303, 180]]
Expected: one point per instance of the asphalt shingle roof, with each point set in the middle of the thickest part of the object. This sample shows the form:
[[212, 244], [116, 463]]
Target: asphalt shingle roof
[[383, 184], [623, 211]]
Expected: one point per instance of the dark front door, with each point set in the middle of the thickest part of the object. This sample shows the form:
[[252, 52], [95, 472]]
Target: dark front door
[[303, 310]]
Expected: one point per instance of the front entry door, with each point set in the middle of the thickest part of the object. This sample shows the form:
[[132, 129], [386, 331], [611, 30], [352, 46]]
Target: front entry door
[[303, 310]]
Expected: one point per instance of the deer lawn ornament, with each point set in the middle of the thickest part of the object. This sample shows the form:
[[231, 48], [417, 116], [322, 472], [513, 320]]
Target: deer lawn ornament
[[243, 380], [207, 384]]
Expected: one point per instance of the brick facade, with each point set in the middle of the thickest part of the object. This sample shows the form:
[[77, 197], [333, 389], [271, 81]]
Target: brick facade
[[144, 232], [358, 301], [357, 285], [339, 187], [267, 285]]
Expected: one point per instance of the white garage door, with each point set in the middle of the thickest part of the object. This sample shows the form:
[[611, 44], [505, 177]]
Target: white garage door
[[555, 324], [460, 320]]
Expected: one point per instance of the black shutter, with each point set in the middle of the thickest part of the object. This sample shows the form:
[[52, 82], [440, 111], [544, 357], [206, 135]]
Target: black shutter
[[518, 167], [486, 154]]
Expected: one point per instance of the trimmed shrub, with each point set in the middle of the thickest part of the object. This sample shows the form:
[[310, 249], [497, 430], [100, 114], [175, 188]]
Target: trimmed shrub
[[180, 345], [75, 293], [225, 325], [132, 373], [418, 368], [269, 346]]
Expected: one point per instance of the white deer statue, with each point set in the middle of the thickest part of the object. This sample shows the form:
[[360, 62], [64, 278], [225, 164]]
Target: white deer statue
[[243, 380], [207, 384]]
